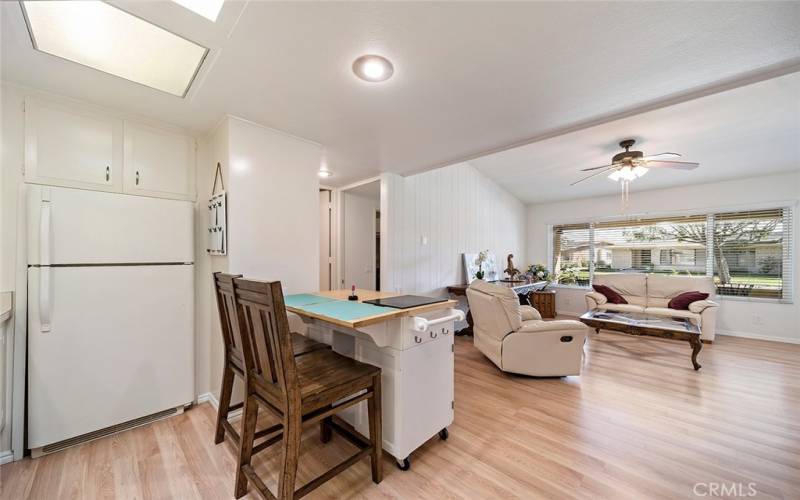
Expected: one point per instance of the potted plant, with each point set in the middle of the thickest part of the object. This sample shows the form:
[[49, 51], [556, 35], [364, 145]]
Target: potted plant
[[479, 260]]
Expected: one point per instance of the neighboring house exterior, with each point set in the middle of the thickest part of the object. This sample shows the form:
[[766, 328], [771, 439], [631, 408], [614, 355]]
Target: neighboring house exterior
[[764, 258], [660, 256]]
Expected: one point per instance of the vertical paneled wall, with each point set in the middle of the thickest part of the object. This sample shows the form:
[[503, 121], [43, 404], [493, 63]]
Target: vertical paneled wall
[[432, 218]]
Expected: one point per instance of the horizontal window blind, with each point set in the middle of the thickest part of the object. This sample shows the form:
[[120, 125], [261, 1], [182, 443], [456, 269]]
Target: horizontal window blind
[[749, 253], [658, 245], [571, 254]]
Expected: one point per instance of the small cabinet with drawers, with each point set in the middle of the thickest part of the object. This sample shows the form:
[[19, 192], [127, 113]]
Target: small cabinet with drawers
[[544, 302]]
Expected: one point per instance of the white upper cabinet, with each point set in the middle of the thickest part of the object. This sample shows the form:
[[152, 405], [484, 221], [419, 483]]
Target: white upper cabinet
[[158, 162], [72, 147]]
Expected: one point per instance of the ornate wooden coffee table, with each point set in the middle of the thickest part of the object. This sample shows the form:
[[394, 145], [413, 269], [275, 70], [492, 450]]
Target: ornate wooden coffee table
[[646, 324]]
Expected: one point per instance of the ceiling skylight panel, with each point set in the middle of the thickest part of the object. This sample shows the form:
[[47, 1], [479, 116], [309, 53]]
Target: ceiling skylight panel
[[108, 39]]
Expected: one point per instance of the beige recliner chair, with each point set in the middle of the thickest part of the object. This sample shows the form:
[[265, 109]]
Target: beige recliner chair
[[516, 339]]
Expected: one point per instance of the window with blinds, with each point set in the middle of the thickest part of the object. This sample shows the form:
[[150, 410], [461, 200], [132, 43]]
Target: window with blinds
[[664, 245], [572, 254], [751, 253], [748, 253]]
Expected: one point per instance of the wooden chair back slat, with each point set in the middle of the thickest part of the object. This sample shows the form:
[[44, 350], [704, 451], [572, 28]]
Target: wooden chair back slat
[[267, 327], [229, 318]]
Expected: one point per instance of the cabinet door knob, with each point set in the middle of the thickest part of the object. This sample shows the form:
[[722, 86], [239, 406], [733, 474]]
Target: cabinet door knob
[[108, 173], [137, 177]]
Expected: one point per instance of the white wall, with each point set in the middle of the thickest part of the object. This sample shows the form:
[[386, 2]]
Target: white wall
[[358, 226], [208, 346], [273, 222], [736, 317], [458, 210]]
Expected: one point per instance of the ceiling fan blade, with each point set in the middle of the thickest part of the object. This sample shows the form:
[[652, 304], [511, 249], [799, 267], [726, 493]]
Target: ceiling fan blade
[[680, 165], [608, 167], [663, 156], [596, 168]]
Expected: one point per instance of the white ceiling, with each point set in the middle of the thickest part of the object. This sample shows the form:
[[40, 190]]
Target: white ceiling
[[469, 77], [744, 132]]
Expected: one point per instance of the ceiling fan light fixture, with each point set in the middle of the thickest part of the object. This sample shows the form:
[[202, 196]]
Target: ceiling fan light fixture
[[628, 173]]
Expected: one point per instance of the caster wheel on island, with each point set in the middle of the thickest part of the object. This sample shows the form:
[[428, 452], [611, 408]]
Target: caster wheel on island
[[443, 434], [403, 464]]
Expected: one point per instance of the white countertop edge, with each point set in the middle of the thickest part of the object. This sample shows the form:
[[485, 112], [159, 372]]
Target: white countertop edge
[[6, 305]]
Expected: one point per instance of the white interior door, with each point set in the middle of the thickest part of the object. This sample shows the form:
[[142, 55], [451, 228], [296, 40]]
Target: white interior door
[[73, 226], [325, 244], [120, 346]]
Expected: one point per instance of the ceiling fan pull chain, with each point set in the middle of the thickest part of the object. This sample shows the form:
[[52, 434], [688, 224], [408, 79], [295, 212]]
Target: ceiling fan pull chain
[[626, 195]]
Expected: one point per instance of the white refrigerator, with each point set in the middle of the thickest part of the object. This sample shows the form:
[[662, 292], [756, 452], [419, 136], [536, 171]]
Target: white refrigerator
[[110, 312]]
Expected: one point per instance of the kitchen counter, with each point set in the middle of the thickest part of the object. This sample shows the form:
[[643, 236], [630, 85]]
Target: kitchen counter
[[6, 305]]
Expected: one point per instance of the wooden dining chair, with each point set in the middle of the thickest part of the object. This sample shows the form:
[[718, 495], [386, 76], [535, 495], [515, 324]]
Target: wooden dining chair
[[300, 391], [234, 354]]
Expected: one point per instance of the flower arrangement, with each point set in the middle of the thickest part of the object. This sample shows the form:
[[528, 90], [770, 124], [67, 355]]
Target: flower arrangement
[[538, 272], [479, 260]]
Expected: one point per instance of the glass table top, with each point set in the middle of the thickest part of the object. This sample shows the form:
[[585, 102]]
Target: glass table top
[[644, 320]]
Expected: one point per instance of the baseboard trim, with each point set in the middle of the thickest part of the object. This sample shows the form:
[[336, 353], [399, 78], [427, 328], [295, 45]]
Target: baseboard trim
[[209, 397], [755, 336], [6, 457]]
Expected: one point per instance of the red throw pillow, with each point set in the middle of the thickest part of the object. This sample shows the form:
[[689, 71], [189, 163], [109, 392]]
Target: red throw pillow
[[612, 296], [683, 300]]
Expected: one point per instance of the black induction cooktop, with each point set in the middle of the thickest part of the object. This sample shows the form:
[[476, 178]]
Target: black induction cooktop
[[405, 301]]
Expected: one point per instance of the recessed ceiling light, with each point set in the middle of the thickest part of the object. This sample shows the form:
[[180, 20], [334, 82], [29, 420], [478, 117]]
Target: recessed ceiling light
[[373, 68], [105, 38], [206, 8], [325, 173]]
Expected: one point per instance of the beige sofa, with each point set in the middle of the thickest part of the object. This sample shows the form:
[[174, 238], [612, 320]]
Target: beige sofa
[[650, 293], [516, 339]]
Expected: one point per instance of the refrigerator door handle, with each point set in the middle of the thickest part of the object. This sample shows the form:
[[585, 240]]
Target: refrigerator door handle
[[44, 270]]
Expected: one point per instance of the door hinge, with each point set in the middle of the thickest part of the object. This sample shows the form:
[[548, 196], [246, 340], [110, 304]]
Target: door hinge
[[452, 348], [452, 405]]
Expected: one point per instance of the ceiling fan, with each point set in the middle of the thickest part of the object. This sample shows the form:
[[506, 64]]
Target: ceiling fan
[[629, 165]]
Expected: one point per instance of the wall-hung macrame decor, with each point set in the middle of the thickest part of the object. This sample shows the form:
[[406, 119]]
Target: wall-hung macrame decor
[[217, 218]]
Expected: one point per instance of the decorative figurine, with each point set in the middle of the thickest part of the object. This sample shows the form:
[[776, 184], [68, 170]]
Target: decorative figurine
[[353, 295], [511, 271]]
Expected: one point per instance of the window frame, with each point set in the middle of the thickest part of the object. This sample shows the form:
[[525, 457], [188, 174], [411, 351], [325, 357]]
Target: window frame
[[787, 245]]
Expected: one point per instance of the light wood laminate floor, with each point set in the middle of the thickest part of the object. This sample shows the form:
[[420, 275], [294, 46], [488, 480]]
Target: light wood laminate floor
[[639, 423]]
